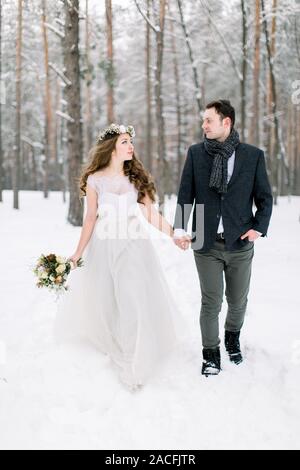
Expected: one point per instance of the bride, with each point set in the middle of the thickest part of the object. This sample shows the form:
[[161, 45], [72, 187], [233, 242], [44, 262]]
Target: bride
[[120, 299]]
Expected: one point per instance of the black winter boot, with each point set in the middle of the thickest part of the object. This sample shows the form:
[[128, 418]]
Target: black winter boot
[[211, 361], [232, 345]]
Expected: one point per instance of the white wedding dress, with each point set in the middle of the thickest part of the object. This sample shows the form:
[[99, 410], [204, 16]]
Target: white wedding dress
[[120, 299]]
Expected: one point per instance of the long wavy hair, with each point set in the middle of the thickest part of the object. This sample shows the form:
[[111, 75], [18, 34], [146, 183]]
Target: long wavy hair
[[99, 157]]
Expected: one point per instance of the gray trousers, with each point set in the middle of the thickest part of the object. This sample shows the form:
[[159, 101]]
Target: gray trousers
[[212, 267]]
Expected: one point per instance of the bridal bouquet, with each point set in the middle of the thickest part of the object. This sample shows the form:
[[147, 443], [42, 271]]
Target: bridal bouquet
[[52, 271]]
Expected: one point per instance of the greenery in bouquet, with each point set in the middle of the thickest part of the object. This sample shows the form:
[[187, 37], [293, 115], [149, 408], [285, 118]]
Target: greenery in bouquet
[[52, 271]]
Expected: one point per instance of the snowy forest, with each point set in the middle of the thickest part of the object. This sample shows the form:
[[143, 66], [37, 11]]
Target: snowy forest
[[70, 68]]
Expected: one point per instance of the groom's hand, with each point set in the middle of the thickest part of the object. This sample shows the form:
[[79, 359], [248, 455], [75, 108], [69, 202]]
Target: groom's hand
[[182, 242], [252, 235]]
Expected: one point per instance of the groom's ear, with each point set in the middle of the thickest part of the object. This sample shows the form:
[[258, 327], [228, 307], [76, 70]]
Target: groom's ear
[[227, 122]]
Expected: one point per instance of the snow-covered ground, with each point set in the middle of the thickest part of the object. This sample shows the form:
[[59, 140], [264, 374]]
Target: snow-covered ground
[[68, 397]]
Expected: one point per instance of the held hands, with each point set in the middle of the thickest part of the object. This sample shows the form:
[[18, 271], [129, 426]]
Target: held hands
[[251, 234], [182, 242]]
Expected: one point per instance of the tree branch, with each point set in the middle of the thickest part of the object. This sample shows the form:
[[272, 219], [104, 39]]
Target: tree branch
[[234, 64], [146, 18]]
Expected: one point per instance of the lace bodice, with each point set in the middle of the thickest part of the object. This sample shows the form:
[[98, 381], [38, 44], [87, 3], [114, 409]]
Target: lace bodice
[[117, 196], [118, 184]]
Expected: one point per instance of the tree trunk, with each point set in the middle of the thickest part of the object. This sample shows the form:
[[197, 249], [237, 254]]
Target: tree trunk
[[161, 144], [88, 104], [271, 144], [297, 155], [17, 154], [194, 68], [62, 146], [244, 70], [49, 144], [110, 63], [148, 153], [55, 129], [34, 169], [160, 165], [205, 65], [72, 94], [254, 123], [180, 153], [279, 168]]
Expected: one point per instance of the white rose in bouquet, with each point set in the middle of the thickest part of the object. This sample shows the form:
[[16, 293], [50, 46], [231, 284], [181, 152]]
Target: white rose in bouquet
[[61, 268]]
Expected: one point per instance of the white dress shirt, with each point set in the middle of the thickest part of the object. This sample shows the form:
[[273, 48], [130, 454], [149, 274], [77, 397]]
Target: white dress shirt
[[230, 166]]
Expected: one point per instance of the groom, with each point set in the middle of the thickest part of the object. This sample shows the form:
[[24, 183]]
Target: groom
[[225, 177]]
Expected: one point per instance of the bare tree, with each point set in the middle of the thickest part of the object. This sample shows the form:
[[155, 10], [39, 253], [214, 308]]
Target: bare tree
[[222, 39], [161, 170], [57, 94], [149, 157], [244, 69], [110, 62], [162, 162], [271, 137], [88, 83], [254, 123], [49, 143], [279, 152], [180, 153], [193, 64], [205, 65], [240, 75], [296, 185], [72, 94], [17, 160]]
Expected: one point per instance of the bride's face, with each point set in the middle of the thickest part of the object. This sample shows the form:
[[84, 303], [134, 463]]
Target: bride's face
[[124, 148]]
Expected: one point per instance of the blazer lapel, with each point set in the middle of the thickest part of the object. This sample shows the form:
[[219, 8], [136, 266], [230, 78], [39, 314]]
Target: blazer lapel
[[238, 162]]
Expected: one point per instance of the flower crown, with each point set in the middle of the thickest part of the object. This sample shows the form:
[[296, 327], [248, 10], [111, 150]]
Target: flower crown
[[109, 131]]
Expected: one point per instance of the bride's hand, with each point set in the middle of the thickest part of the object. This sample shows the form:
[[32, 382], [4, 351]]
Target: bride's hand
[[182, 242], [74, 259]]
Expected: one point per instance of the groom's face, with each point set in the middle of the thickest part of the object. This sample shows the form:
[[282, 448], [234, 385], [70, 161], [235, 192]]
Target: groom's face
[[214, 126]]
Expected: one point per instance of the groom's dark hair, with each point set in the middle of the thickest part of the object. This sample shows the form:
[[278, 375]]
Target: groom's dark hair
[[224, 109]]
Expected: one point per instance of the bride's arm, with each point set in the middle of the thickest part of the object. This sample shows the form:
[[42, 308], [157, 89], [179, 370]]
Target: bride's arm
[[88, 223], [154, 217]]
